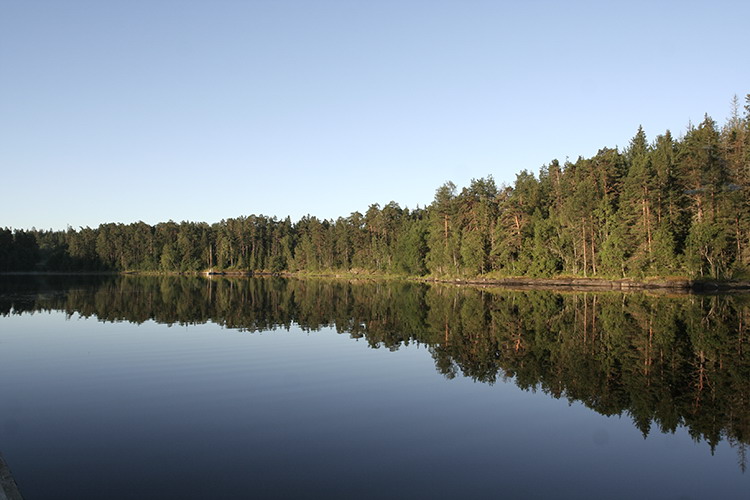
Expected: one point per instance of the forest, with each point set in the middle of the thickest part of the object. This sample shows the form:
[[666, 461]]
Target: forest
[[671, 206]]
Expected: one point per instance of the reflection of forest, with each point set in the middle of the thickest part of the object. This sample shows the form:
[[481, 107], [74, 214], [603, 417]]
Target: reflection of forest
[[664, 361]]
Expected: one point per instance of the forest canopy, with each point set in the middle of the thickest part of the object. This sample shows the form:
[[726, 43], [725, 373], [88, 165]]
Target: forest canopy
[[661, 207]]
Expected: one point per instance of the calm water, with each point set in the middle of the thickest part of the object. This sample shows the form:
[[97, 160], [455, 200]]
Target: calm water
[[269, 388]]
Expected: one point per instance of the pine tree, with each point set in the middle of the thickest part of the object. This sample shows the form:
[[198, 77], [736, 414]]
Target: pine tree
[[636, 207], [443, 236]]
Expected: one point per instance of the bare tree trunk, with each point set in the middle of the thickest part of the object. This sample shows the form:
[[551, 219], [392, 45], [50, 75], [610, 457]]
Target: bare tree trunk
[[583, 231], [593, 251], [648, 229], [738, 237]]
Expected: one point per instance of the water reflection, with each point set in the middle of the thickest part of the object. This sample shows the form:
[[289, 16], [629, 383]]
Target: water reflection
[[666, 362]]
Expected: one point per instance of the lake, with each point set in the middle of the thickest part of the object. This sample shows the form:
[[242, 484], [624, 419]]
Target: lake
[[187, 387]]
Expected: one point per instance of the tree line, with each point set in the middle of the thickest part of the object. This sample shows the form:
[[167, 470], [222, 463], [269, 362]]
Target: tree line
[[670, 206], [666, 362]]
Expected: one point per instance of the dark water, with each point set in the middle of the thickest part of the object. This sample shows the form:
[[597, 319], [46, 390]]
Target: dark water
[[269, 388]]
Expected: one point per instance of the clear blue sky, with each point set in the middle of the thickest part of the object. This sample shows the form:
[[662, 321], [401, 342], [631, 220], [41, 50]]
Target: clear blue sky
[[119, 111]]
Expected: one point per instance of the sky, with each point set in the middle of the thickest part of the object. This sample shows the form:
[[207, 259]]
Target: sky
[[156, 110]]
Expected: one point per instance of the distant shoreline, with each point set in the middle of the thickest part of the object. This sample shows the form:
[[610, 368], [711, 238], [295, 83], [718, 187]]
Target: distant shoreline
[[682, 285], [597, 284]]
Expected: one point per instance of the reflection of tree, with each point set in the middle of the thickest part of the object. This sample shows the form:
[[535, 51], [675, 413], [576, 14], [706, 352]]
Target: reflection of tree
[[666, 362]]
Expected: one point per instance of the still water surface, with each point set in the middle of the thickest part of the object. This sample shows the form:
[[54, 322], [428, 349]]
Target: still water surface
[[191, 388]]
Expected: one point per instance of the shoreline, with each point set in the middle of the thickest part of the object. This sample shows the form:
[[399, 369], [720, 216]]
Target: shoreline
[[600, 284], [680, 285]]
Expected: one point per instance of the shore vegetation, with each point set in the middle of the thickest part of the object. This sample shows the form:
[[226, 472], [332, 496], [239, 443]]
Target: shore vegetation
[[669, 206]]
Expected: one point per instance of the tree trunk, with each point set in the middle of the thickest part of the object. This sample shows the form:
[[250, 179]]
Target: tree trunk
[[593, 251], [738, 237], [648, 229], [583, 231]]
